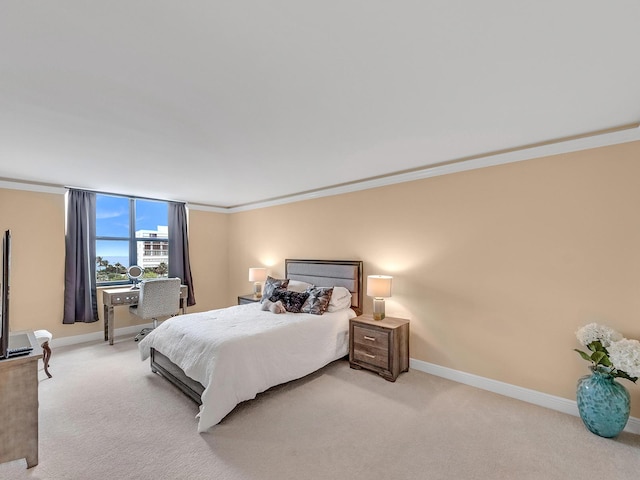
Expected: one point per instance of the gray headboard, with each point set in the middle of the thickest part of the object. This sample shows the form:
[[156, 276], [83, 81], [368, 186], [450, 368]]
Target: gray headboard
[[329, 273]]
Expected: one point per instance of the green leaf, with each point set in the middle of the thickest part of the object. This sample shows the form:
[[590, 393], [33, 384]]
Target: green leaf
[[583, 355], [597, 357], [605, 361]]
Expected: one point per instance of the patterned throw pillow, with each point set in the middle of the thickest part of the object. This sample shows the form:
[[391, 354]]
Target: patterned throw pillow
[[271, 284], [292, 301], [318, 301]]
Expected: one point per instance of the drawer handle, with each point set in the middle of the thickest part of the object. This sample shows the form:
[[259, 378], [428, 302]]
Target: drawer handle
[[369, 355], [369, 338]]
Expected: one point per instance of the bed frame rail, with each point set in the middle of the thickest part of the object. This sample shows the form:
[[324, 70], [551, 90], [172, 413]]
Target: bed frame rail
[[165, 367]]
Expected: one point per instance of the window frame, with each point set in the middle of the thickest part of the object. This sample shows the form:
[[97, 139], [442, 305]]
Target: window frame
[[132, 238]]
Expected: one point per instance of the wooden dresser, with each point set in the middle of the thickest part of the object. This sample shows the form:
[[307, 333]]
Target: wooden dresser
[[19, 406], [379, 345]]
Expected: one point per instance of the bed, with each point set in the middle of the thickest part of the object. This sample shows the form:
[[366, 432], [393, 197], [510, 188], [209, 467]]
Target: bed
[[223, 357]]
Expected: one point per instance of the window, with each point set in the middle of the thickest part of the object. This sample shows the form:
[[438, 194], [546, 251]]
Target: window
[[130, 231]]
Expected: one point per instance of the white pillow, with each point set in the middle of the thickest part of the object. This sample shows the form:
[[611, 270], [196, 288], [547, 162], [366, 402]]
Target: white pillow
[[298, 286], [340, 299], [339, 293]]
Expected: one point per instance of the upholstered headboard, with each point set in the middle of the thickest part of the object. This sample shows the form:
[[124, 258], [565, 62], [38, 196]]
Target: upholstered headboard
[[329, 273]]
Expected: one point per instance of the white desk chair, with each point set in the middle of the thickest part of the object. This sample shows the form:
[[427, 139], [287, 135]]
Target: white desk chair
[[43, 337], [157, 298]]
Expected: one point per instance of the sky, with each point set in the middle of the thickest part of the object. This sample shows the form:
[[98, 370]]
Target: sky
[[112, 220]]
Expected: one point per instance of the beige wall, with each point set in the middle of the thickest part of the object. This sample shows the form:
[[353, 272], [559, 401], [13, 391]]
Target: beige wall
[[496, 268], [208, 245], [36, 221]]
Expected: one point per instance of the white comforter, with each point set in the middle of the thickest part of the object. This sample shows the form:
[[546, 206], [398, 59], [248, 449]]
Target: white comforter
[[240, 351]]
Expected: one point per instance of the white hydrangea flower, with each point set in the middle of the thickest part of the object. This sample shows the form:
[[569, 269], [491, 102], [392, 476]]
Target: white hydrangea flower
[[625, 356], [593, 331]]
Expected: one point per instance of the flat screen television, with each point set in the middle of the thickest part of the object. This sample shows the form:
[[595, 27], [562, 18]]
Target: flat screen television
[[4, 297]]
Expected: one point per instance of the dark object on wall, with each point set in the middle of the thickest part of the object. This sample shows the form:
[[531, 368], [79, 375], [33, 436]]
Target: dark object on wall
[[6, 263]]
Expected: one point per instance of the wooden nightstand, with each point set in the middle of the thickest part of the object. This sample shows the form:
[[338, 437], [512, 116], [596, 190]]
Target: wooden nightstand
[[381, 346], [249, 298]]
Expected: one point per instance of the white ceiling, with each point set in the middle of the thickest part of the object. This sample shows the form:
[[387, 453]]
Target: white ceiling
[[230, 102]]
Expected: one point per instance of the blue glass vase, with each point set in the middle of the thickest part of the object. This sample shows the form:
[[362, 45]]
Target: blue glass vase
[[603, 403]]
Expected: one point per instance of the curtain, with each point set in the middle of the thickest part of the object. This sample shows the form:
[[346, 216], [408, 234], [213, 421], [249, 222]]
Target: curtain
[[80, 258], [179, 248]]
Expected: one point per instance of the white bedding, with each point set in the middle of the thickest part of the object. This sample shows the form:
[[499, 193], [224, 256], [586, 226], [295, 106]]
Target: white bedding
[[240, 351]]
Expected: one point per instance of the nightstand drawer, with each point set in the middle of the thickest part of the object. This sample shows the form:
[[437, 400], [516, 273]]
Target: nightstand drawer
[[370, 337], [372, 356]]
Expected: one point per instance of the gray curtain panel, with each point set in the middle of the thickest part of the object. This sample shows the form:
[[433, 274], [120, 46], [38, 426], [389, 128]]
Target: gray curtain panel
[[80, 261], [179, 248]]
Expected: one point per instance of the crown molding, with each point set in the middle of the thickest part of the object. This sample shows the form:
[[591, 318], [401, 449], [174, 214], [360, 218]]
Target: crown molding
[[207, 208], [602, 138], [31, 186]]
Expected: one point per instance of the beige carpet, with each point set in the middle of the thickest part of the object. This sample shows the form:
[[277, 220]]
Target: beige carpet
[[104, 415]]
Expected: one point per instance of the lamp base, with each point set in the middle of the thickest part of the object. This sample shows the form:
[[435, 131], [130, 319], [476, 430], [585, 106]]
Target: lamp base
[[257, 290], [378, 308]]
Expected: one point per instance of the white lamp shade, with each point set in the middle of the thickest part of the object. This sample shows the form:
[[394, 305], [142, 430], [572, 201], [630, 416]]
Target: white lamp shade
[[257, 274], [379, 286]]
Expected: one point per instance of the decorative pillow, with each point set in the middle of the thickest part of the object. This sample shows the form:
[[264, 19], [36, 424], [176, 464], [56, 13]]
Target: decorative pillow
[[298, 286], [273, 307], [318, 301], [271, 284], [340, 299], [292, 301]]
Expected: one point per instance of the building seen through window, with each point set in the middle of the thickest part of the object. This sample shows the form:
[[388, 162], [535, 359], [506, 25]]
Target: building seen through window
[[130, 231]]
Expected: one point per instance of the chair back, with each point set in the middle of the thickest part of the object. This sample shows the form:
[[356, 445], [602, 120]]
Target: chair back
[[159, 298]]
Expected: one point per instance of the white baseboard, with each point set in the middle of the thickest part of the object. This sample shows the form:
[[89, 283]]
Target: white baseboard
[[92, 337], [513, 391]]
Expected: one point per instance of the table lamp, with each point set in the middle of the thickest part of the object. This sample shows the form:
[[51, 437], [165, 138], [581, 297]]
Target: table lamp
[[257, 276], [378, 287]]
